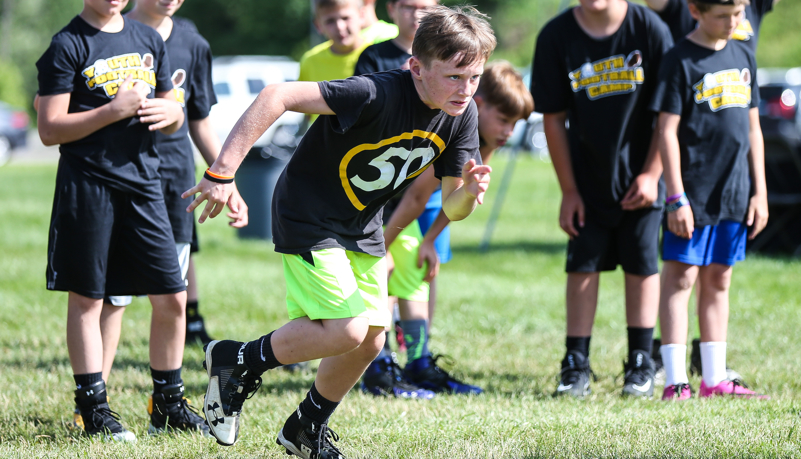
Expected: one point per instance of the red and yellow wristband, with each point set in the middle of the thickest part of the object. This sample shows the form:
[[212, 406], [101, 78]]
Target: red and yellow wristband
[[217, 178]]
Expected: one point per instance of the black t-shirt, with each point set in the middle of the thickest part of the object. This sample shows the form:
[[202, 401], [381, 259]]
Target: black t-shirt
[[678, 18], [190, 60], [381, 57], [605, 86], [90, 64], [349, 164], [711, 90]]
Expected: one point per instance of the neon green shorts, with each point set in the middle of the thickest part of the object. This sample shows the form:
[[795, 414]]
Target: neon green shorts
[[406, 281], [338, 285]]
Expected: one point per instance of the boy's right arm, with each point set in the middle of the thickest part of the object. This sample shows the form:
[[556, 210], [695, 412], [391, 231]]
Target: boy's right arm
[[58, 126], [680, 222], [559, 148], [272, 102]]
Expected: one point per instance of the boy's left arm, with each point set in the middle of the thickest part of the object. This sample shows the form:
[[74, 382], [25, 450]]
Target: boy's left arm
[[758, 204], [163, 111], [460, 195], [645, 188]]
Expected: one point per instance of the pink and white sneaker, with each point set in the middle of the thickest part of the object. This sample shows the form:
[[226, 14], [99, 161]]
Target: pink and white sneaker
[[681, 391], [734, 387]]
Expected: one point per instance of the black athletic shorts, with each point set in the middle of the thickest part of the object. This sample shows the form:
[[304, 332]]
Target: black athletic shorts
[[180, 220], [105, 242], [633, 244]]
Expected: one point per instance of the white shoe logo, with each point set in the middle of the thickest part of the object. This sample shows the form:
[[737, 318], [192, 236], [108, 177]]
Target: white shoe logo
[[644, 387], [160, 381], [240, 358], [563, 388], [312, 400]]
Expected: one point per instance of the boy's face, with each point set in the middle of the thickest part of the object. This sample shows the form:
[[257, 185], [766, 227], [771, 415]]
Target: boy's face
[[406, 14], [340, 25], [445, 86], [105, 7], [494, 126], [159, 7], [719, 21]]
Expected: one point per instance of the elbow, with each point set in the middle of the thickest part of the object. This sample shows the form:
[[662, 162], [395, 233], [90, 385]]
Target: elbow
[[47, 137]]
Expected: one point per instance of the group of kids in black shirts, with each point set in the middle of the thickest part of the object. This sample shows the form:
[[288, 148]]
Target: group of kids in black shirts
[[622, 108]]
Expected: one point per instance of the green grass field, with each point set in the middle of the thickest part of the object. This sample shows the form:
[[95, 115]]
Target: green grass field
[[500, 316]]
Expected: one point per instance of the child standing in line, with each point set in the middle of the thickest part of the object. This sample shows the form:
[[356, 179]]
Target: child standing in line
[[713, 155]]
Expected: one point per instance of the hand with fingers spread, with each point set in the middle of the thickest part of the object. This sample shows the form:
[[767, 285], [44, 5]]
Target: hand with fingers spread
[[642, 193], [476, 179], [130, 96], [681, 222], [238, 210], [572, 209], [757, 215], [159, 113], [217, 195], [427, 255]]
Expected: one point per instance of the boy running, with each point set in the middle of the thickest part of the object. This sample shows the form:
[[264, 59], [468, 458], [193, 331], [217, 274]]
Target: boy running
[[595, 66], [105, 88], [713, 155], [327, 214]]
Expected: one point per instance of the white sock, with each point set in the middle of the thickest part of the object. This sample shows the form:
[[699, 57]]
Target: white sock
[[674, 357], [713, 362]]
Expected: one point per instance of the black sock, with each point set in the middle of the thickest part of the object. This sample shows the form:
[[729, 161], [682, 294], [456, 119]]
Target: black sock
[[641, 339], [579, 343], [165, 378], [87, 379], [314, 408], [191, 310], [259, 355]]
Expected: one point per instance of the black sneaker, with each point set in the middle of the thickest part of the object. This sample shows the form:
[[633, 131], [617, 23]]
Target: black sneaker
[[696, 368], [383, 378], [230, 384], [659, 366], [639, 372], [196, 331], [424, 372], [313, 441], [170, 411], [574, 378], [98, 419], [300, 367]]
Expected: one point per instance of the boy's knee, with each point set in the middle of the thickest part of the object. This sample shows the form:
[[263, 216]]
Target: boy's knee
[[347, 334], [718, 280], [171, 304]]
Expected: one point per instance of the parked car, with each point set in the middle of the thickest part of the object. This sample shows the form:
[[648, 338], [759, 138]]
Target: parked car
[[237, 81], [13, 130]]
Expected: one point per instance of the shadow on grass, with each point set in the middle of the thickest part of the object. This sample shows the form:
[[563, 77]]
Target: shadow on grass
[[515, 246]]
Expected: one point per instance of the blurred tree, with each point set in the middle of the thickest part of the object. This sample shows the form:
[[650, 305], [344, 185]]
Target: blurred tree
[[12, 91]]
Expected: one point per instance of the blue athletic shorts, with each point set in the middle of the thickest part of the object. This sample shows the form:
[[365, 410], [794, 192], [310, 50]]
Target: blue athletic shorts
[[426, 219], [723, 243]]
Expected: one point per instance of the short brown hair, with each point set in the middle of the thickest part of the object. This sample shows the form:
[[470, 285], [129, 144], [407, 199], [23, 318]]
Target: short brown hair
[[446, 32], [502, 87], [328, 4], [703, 6]]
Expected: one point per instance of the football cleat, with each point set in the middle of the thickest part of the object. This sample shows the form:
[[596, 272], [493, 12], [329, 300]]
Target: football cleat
[[680, 391], [170, 411], [574, 377], [734, 388], [639, 375], [425, 373], [99, 421], [383, 378], [313, 441], [230, 384]]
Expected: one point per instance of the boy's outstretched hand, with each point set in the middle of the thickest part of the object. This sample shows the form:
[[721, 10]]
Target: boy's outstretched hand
[[476, 179], [757, 215], [217, 195]]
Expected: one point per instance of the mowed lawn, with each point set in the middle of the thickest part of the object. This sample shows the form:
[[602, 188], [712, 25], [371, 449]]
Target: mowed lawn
[[500, 317]]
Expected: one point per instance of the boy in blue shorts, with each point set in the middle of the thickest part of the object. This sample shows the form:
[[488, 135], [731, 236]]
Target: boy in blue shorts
[[104, 89], [327, 214], [713, 155]]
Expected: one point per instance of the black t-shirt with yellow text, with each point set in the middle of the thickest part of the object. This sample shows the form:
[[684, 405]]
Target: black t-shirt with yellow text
[[348, 165], [712, 91], [90, 65], [605, 86]]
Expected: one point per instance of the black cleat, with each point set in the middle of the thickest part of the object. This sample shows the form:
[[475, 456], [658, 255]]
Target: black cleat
[[425, 373], [313, 441], [170, 411], [574, 378], [639, 372], [659, 366], [196, 331], [99, 421], [230, 384]]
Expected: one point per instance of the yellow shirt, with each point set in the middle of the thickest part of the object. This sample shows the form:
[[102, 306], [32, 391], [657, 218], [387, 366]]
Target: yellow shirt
[[380, 31], [320, 64]]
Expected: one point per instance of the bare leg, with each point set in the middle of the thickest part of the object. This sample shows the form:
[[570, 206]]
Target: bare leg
[[303, 339], [191, 281], [337, 374], [582, 300], [432, 301], [713, 302], [167, 331], [110, 329], [642, 300], [413, 310], [84, 340], [677, 284]]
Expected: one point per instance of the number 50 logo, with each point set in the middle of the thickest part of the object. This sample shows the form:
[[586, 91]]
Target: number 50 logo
[[387, 171]]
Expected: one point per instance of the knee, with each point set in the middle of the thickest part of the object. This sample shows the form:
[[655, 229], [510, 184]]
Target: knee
[[373, 343], [717, 281], [347, 334], [678, 281], [169, 305]]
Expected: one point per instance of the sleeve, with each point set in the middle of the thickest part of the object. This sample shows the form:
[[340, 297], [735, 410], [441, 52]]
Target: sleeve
[[764, 6], [349, 99], [755, 97], [163, 80], [57, 67], [201, 91], [669, 95], [549, 85], [462, 148], [366, 63]]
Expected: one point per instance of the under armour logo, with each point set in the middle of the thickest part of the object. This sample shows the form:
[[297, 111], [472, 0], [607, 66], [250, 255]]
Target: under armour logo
[[240, 358], [218, 419]]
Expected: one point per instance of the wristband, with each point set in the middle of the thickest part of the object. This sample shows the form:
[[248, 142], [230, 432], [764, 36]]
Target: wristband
[[675, 197], [674, 206], [216, 178]]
